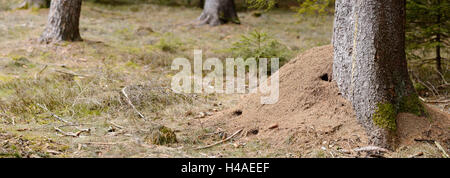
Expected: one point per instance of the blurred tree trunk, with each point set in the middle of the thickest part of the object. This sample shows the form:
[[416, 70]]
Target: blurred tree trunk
[[370, 65], [438, 40], [63, 21], [216, 12], [34, 4], [201, 3]]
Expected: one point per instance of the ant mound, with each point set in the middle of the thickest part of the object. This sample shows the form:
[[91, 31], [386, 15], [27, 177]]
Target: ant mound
[[312, 115]]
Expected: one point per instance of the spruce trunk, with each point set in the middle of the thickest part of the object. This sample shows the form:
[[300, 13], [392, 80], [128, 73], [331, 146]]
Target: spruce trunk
[[370, 65], [63, 21], [216, 12]]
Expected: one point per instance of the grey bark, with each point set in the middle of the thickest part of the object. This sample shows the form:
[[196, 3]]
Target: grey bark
[[370, 61], [216, 12], [34, 4], [343, 45], [63, 21]]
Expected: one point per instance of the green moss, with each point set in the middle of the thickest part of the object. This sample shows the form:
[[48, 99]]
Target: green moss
[[385, 116], [411, 104], [132, 64], [163, 135], [419, 87]]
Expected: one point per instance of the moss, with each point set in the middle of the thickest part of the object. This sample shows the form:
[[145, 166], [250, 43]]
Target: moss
[[412, 104], [163, 135], [419, 87], [385, 116]]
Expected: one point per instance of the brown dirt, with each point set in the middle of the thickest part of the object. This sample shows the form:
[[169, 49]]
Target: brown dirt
[[311, 114]]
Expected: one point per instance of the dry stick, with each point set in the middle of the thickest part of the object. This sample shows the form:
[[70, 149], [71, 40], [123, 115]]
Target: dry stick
[[429, 88], [54, 115], [70, 133], [116, 125], [70, 73], [104, 143], [442, 76], [223, 141], [40, 72], [433, 101], [444, 154], [418, 80], [370, 149], [437, 92], [416, 155], [131, 104]]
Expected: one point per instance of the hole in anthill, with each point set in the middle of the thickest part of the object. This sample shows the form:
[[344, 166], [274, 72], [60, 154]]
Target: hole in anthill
[[237, 113], [325, 77]]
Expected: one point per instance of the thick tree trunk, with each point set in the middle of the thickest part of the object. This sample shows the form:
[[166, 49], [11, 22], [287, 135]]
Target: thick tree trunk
[[370, 64], [34, 4], [63, 22], [216, 12]]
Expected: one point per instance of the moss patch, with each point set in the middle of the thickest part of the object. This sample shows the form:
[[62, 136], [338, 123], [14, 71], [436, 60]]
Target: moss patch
[[412, 104], [163, 135], [385, 116]]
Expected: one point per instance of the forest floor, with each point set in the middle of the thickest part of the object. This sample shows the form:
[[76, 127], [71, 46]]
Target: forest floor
[[68, 99]]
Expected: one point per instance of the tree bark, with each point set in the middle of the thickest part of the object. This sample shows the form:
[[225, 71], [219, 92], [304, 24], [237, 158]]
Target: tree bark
[[63, 21], [34, 4], [216, 12], [370, 64], [343, 44]]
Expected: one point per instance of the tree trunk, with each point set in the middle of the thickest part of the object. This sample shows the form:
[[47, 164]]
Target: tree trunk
[[438, 40], [201, 3], [438, 54], [216, 12], [63, 21], [34, 4], [370, 64]]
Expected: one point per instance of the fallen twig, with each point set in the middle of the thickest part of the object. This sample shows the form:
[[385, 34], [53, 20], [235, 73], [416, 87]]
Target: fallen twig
[[104, 143], [434, 101], [70, 134], [442, 76], [70, 73], [444, 153], [376, 156], [37, 75], [416, 155], [131, 104], [116, 125], [370, 149], [223, 141], [432, 86], [424, 140], [429, 88], [54, 115]]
